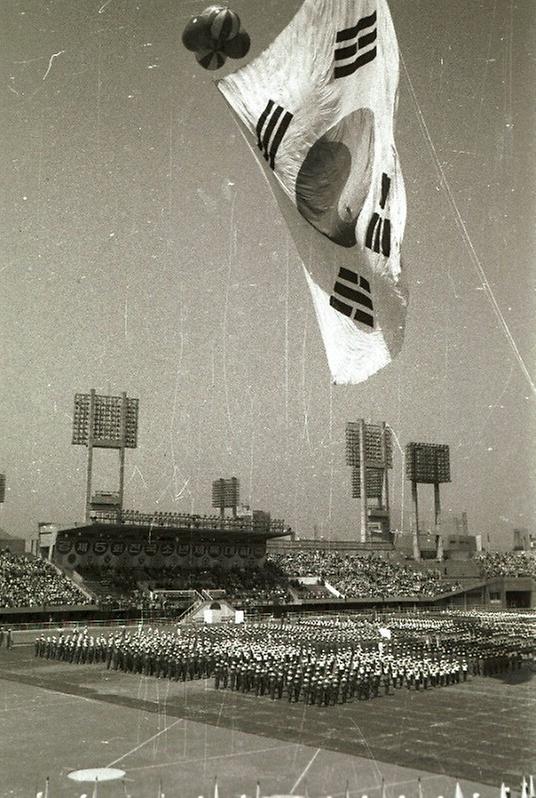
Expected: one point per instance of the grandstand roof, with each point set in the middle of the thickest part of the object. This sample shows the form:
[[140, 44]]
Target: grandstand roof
[[201, 533]]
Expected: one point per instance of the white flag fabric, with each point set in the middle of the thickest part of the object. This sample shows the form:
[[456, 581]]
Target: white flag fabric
[[318, 105]]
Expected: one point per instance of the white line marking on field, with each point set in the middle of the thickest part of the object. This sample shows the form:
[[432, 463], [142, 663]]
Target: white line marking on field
[[306, 768], [153, 737]]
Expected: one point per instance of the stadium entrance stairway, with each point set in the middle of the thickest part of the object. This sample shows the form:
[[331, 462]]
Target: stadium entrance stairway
[[208, 610]]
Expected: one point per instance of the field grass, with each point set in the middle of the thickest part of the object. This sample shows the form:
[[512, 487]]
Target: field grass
[[56, 717]]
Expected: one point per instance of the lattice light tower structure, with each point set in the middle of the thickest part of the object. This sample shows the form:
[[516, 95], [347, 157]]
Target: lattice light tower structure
[[2, 488], [369, 451], [426, 463], [226, 495], [105, 422]]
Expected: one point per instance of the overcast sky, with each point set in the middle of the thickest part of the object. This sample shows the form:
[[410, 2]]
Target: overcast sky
[[142, 251]]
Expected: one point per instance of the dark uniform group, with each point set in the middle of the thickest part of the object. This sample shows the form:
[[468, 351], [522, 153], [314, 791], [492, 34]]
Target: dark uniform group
[[150, 652], [317, 661]]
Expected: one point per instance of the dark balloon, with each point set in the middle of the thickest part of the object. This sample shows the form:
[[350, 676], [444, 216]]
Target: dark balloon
[[210, 59], [237, 47], [215, 34], [196, 35], [224, 25], [211, 11]]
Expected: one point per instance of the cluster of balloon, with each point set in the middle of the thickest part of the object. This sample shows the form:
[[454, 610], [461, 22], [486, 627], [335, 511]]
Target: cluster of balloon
[[215, 34]]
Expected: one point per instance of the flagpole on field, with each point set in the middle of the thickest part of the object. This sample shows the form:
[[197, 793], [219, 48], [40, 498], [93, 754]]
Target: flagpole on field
[[47, 781]]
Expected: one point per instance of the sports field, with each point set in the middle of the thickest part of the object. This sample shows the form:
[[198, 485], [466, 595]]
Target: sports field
[[57, 717]]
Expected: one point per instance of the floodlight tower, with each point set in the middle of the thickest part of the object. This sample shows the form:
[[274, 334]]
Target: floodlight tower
[[105, 422], [225, 494], [2, 488], [369, 451], [427, 463]]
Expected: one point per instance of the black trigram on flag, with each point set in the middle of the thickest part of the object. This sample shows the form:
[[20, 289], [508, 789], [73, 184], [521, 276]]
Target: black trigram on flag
[[351, 296], [378, 237], [272, 125], [355, 46]]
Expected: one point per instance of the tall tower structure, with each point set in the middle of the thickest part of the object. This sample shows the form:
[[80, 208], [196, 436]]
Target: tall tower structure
[[369, 452], [426, 463], [105, 422], [226, 495]]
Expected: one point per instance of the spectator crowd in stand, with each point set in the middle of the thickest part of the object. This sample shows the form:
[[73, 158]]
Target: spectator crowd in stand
[[124, 586], [357, 576], [508, 563], [32, 582], [278, 582]]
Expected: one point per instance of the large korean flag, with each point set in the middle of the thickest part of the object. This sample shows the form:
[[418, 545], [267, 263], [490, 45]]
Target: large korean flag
[[319, 106]]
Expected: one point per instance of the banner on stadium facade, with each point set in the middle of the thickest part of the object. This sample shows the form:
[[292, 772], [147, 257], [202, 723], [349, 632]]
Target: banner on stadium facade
[[118, 547], [167, 548], [198, 550], [214, 550], [64, 546], [100, 547], [243, 551], [81, 546], [150, 549], [134, 548], [229, 551], [183, 549]]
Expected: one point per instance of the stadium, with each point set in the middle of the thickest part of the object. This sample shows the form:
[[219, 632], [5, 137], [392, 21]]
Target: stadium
[[297, 559], [205, 645]]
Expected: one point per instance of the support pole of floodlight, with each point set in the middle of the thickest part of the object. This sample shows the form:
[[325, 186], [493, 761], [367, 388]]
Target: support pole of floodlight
[[385, 469], [91, 429], [123, 439], [363, 481], [437, 508], [415, 502]]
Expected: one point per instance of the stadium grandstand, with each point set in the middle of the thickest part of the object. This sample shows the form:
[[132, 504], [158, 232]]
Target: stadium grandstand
[[235, 625], [166, 563]]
